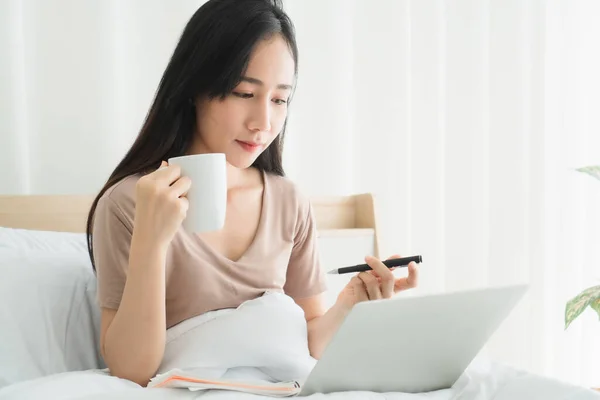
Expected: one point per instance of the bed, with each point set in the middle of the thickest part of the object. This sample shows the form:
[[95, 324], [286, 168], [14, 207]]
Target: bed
[[50, 323]]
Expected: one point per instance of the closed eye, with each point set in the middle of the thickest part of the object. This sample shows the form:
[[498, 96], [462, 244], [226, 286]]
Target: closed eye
[[243, 95]]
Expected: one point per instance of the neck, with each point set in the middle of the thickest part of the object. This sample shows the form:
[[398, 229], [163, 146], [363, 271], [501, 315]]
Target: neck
[[235, 176]]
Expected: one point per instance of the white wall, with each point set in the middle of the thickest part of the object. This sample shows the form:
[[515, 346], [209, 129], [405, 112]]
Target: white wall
[[77, 79]]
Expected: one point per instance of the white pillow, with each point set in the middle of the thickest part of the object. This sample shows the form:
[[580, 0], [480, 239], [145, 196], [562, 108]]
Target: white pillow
[[25, 239], [49, 320]]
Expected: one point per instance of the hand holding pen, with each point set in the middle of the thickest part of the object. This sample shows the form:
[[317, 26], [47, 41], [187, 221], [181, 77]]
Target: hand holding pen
[[376, 281], [390, 263]]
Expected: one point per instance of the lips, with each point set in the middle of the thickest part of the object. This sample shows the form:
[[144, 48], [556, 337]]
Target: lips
[[250, 146]]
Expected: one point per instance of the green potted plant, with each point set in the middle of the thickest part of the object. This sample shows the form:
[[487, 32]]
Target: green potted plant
[[590, 297]]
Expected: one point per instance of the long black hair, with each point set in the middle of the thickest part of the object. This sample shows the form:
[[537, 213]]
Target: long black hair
[[209, 60]]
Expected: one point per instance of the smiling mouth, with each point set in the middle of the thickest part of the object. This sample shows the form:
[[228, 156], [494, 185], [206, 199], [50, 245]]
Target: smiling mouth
[[251, 147]]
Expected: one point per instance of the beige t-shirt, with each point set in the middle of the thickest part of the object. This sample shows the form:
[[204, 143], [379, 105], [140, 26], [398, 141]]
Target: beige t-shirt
[[282, 257]]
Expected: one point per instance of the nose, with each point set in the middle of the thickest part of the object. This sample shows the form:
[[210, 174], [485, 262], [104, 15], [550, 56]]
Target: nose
[[260, 117]]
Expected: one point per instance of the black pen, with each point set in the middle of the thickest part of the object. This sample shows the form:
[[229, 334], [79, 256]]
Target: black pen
[[394, 262]]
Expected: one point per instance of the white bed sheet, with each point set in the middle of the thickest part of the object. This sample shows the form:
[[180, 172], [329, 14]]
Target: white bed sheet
[[481, 382], [274, 343]]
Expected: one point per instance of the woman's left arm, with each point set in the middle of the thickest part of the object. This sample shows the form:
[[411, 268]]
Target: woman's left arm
[[379, 283], [321, 324]]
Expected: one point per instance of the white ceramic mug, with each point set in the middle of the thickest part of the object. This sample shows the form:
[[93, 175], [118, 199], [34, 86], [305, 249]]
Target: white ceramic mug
[[208, 193]]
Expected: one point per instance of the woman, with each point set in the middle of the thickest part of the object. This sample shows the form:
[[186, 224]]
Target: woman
[[227, 90]]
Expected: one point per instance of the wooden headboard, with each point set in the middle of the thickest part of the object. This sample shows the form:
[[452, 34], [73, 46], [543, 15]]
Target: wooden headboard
[[335, 216], [346, 225]]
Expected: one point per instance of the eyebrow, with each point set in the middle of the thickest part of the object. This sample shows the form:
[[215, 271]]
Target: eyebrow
[[258, 82]]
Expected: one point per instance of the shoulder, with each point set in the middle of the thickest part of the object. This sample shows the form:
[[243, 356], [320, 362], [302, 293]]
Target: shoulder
[[120, 198], [287, 191], [293, 205]]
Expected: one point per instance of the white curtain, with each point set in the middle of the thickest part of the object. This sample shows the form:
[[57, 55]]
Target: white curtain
[[571, 203], [466, 118]]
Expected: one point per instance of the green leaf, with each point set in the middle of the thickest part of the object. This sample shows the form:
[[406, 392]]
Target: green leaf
[[592, 170], [596, 306], [575, 306]]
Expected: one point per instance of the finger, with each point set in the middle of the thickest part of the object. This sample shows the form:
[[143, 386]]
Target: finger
[[372, 284], [391, 258], [359, 289], [185, 204], [181, 186], [386, 284], [410, 281], [378, 268], [167, 174], [381, 270], [163, 165], [413, 275]]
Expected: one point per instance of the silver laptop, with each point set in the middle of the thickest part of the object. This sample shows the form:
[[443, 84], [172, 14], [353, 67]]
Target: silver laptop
[[411, 344]]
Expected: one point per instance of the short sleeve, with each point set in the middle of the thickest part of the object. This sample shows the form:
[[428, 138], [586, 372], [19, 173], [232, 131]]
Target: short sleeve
[[111, 242], [305, 277]]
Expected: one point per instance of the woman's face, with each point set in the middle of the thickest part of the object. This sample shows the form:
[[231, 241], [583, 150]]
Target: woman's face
[[247, 121]]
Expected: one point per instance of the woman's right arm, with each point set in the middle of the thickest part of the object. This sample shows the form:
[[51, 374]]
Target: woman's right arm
[[132, 337]]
